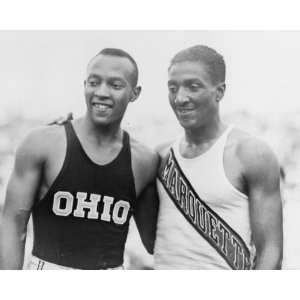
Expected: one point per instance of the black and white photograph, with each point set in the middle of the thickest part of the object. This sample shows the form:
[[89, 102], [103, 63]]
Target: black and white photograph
[[149, 150]]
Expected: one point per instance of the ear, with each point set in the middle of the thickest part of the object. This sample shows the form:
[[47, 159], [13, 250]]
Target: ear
[[84, 83], [220, 91], [135, 93]]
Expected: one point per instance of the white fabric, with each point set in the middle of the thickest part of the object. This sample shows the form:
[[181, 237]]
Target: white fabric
[[178, 245], [36, 263]]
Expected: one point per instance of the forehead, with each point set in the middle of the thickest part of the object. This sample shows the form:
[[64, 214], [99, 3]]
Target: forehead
[[110, 66], [188, 70]]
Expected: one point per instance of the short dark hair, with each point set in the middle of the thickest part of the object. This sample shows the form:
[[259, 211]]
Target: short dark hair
[[122, 53], [210, 57]]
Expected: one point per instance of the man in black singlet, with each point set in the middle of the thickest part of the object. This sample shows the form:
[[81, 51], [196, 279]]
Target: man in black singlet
[[82, 181]]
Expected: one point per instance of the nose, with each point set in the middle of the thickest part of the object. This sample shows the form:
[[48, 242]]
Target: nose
[[102, 91], [181, 97]]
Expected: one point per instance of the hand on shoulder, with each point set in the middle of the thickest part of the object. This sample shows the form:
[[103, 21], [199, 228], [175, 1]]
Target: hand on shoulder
[[62, 119]]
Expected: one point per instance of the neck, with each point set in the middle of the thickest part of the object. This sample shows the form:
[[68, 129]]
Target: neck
[[102, 134], [205, 133]]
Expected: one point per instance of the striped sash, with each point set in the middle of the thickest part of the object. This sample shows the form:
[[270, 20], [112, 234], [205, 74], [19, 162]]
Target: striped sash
[[224, 239]]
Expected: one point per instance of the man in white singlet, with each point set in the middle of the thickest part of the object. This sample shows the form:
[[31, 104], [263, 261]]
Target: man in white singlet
[[220, 205]]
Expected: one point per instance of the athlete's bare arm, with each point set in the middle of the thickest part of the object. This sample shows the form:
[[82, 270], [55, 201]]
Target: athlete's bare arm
[[145, 164], [148, 202], [21, 191], [145, 215], [262, 175], [163, 151]]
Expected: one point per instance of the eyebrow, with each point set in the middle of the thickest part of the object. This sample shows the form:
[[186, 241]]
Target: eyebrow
[[93, 76], [186, 81], [171, 82], [117, 79], [109, 78]]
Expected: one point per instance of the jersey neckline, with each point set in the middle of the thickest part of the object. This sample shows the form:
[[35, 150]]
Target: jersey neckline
[[176, 146], [87, 157]]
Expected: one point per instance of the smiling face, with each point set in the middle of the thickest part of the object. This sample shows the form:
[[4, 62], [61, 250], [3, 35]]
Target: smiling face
[[192, 95], [109, 88]]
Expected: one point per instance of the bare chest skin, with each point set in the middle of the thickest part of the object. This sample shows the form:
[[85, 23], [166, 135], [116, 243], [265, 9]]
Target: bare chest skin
[[232, 165], [192, 151], [56, 152]]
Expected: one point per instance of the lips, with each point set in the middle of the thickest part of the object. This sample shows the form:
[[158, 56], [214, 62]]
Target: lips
[[101, 107], [184, 110]]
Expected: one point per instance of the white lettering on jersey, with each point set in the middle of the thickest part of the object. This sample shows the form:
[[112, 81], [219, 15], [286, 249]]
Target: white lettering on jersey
[[90, 205], [58, 196], [107, 204], [118, 206]]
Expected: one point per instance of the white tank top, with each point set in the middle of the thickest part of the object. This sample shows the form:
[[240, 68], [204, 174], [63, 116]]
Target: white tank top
[[179, 245]]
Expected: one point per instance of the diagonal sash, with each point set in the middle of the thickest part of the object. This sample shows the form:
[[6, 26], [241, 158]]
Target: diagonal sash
[[225, 240]]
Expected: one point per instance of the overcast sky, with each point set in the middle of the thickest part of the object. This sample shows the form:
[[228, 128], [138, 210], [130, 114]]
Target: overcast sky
[[42, 72]]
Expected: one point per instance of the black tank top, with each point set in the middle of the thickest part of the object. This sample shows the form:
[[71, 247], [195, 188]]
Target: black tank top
[[82, 222]]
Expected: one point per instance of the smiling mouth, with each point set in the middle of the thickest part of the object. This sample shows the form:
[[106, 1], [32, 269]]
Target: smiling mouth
[[184, 110], [102, 107]]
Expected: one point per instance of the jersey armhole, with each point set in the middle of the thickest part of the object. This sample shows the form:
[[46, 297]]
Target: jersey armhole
[[63, 167]]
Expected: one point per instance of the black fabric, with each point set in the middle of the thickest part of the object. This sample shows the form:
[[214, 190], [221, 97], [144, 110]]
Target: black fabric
[[82, 242]]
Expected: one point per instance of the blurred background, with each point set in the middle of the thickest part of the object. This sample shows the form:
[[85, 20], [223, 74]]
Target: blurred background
[[42, 74]]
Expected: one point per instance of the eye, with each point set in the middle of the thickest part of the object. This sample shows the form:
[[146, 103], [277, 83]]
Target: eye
[[117, 85], [194, 87], [93, 82], [172, 89]]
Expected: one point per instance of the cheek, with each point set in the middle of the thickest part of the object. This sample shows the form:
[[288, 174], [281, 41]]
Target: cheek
[[172, 100], [120, 94], [205, 99], [122, 100], [88, 92]]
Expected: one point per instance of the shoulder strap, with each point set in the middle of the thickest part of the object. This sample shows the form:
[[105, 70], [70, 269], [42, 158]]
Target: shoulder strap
[[70, 133], [74, 146], [126, 149]]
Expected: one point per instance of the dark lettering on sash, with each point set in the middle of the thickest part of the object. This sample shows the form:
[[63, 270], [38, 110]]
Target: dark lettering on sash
[[224, 239]]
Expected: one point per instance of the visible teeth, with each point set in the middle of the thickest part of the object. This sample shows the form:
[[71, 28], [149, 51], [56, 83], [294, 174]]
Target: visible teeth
[[101, 106], [184, 110]]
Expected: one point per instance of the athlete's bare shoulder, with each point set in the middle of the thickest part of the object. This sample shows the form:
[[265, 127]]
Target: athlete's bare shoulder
[[40, 141], [163, 149], [255, 155], [52, 132], [44, 136], [146, 157]]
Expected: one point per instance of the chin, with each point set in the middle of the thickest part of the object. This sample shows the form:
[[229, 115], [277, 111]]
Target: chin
[[100, 121], [187, 123]]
